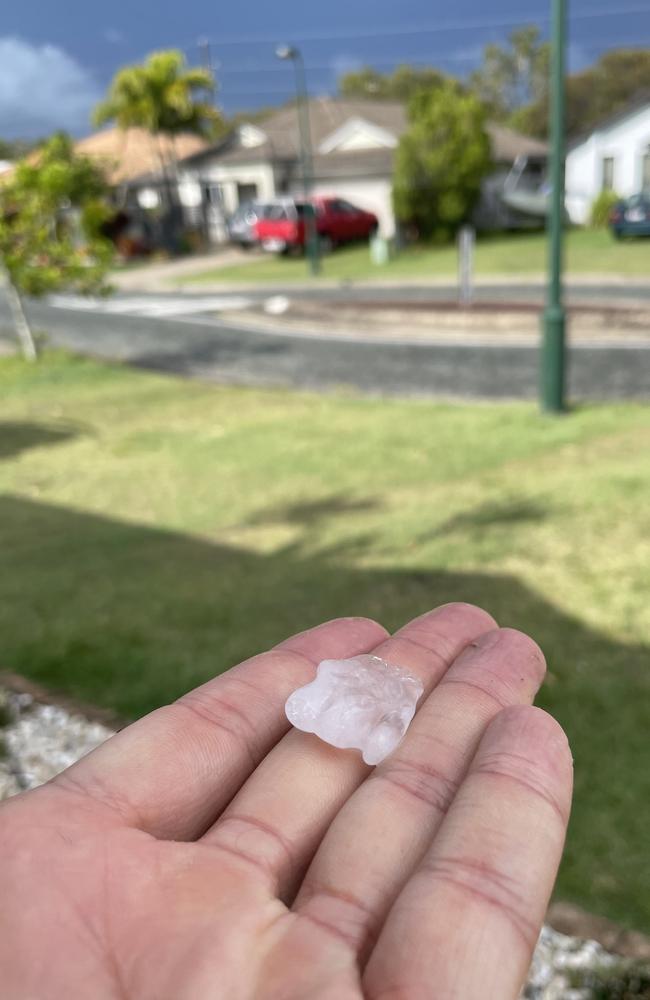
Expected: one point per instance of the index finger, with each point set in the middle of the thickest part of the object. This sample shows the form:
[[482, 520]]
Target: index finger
[[174, 771]]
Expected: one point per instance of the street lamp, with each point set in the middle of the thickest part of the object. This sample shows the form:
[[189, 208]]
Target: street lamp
[[552, 381], [289, 52]]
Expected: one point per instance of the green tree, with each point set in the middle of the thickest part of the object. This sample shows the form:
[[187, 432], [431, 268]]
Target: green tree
[[15, 149], [616, 79], [51, 214], [400, 85], [601, 90], [441, 160], [513, 76], [165, 98]]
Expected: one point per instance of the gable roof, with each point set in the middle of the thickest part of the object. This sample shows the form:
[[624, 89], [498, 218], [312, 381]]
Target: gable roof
[[358, 133], [638, 103], [332, 119], [507, 144], [327, 116]]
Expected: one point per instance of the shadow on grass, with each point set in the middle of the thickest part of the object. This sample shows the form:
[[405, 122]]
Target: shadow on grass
[[492, 515], [312, 512], [128, 617], [16, 436]]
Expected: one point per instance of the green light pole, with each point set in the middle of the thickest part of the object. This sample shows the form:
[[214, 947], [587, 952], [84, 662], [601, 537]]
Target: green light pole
[[306, 159], [552, 382]]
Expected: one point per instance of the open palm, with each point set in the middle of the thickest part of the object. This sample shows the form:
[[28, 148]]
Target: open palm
[[207, 853]]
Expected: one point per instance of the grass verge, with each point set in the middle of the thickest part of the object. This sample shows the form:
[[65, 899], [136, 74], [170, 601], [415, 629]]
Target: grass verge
[[155, 531], [589, 251]]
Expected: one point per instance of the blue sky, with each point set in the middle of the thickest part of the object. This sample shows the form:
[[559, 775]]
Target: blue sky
[[56, 58]]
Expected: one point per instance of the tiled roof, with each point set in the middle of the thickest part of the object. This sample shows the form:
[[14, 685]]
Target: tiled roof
[[130, 153], [326, 115]]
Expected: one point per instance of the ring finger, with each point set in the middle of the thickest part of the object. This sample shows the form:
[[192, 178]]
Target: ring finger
[[383, 831]]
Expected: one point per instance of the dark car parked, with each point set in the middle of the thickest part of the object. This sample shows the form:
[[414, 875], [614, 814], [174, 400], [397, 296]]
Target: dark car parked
[[282, 226], [631, 216]]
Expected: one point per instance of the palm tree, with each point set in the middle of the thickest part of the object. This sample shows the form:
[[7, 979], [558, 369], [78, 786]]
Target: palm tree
[[166, 99]]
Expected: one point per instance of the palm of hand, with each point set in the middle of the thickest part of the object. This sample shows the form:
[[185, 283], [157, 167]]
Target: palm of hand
[[203, 854]]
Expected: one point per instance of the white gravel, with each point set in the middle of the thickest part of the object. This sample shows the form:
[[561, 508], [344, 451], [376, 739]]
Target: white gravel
[[38, 741]]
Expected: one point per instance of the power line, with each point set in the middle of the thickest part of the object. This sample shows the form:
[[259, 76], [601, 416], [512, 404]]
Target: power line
[[430, 62], [329, 66], [463, 24]]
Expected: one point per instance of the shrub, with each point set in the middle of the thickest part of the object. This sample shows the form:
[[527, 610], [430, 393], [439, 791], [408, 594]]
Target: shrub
[[601, 208], [441, 160]]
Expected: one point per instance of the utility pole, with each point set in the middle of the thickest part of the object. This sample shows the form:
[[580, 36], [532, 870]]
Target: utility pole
[[306, 157], [553, 355], [205, 51], [204, 46]]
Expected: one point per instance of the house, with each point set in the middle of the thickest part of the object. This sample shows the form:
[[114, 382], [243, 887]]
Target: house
[[353, 145], [128, 157], [137, 167], [132, 159], [614, 157]]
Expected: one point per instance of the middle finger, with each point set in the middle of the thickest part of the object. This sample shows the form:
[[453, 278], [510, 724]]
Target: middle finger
[[279, 817]]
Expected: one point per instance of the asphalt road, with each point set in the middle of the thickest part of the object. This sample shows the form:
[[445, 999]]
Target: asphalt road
[[209, 349]]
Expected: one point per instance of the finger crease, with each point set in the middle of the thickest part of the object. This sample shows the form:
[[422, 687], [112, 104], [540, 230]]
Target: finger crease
[[528, 784], [218, 712], [101, 794], [248, 857], [279, 843], [420, 781], [488, 886], [443, 660], [349, 919], [501, 702]]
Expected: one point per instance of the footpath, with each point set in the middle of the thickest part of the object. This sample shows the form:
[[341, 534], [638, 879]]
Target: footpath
[[399, 320]]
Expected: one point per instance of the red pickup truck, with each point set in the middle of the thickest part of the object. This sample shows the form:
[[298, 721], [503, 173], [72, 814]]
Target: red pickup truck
[[281, 226]]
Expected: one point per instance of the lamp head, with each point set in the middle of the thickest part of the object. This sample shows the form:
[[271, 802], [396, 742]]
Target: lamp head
[[286, 52]]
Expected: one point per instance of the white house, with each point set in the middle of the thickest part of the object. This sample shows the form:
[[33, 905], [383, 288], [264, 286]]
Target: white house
[[616, 157], [354, 143]]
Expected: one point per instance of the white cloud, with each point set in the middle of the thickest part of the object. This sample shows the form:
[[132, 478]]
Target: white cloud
[[42, 88]]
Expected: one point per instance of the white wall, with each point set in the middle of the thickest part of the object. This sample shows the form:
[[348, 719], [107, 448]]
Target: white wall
[[228, 176], [373, 195], [626, 142]]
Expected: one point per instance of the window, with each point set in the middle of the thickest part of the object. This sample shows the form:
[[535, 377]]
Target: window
[[276, 212], [246, 192], [342, 207], [645, 172], [608, 173], [213, 194]]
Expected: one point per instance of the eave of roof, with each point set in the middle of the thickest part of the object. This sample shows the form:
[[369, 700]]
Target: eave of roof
[[638, 103]]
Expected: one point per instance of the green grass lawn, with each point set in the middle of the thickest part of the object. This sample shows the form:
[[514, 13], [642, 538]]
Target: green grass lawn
[[154, 531], [589, 251]]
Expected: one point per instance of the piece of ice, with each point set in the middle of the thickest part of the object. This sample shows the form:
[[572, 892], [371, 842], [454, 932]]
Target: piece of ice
[[362, 703]]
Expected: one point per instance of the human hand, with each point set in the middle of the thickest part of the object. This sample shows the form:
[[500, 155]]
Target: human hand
[[208, 853]]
